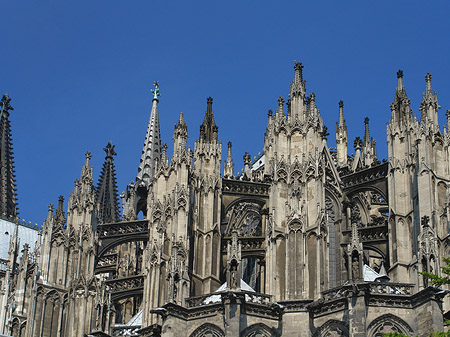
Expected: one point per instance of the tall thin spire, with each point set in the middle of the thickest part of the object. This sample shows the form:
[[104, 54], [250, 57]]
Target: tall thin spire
[[151, 152], [8, 197], [209, 129], [106, 197]]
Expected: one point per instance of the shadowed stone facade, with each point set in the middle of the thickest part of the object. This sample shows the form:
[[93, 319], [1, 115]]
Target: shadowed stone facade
[[305, 241]]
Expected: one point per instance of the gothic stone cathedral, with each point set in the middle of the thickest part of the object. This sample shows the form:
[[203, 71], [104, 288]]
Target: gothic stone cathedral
[[305, 241]]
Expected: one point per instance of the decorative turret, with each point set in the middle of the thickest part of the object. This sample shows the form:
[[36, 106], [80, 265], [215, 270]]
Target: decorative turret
[[151, 151], [208, 130], [229, 166], [8, 197], [106, 197], [341, 137], [429, 105]]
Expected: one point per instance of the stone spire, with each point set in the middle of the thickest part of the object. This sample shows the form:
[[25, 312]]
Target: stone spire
[[429, 105], [229, 166], [106, 197], [341, 137], [151, 152], [8, 197], [366, 131], [208, 130], [400, 109]]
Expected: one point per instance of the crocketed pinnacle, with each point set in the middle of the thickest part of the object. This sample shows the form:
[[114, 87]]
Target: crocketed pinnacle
[[229, 166], [106, 197], [400, 108], [151, 152], [209, 129], [8, 197], [429, 105]]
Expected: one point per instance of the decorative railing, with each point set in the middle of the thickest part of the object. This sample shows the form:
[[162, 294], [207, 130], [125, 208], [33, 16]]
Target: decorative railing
[[3, 265], [122, 228], [131, 331], [212, 298], [107, 261], [125, 284], [247, 243], [245, 187], [391, 288], [373, 288], [18, 221]]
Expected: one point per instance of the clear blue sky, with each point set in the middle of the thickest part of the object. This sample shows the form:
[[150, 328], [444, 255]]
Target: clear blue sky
[[79, 74]]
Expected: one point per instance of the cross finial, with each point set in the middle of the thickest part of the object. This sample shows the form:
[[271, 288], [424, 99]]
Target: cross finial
[[109, 149], [155, 91], [88, 155]]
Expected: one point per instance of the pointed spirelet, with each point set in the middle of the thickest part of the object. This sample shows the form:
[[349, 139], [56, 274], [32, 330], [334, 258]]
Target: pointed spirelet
[[209, 129], [401, 112], [151, 152], [341, 114], [106, 198], [229, 166], [8, 196], [366, 131], [180, 135], [429, 106]]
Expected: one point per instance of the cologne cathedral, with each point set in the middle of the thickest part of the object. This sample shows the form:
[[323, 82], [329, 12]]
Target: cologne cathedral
[[306, 240]]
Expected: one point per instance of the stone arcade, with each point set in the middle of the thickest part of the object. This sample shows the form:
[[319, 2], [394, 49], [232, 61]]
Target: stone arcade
[[306, 241]]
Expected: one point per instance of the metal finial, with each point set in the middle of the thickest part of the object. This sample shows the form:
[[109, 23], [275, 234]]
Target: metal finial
[[155, 91]]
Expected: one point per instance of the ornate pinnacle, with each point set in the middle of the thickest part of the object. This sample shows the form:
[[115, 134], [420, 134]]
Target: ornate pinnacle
[[109, 149], [88, 156], [298, 68], [270, 113], [357, 143], [428, 80], [247, 158], [280, 100], [209, 102], [400, 80], [341, 104], [155, 91]]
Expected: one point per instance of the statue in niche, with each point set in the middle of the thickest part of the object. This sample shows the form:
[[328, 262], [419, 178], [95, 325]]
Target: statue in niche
[[355, 267], [233, 276]]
